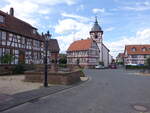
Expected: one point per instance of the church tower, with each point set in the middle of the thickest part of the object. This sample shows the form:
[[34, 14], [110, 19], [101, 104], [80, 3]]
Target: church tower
[[96, 34]]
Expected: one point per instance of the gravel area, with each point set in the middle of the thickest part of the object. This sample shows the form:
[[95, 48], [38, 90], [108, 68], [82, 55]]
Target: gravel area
[[15, 84]]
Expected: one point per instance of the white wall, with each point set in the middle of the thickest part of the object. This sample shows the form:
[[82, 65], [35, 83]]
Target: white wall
[[110, 59], [105, 56]]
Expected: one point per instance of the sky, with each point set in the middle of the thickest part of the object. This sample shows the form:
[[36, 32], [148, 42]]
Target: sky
[[124, 22]]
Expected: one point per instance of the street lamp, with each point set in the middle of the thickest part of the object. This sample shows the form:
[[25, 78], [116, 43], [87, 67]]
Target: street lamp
[[47, 37]]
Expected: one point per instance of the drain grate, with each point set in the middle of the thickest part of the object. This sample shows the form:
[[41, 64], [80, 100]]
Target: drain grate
[[140, 108]]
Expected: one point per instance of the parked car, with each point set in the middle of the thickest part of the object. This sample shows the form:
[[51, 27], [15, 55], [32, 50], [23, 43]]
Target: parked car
[[99, 67], [113, 66]]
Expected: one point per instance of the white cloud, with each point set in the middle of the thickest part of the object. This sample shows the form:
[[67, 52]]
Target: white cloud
[[44, 2], [141, 37], [98, 10], [67, 25], [71, 30], [77, 17], [72, 23], [109, 29], [65, 40], [54, 2], [44, 11], [81, 7], [27, 9], [101, 11], [136, 6]]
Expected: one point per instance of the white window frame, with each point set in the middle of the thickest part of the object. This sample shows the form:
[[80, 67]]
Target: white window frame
[[2, 18]]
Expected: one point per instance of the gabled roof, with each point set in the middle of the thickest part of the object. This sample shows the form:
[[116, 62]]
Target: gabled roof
[[105, 47], [138, 49], [15, 25], [80, 45], [120, 55], [53, 45]]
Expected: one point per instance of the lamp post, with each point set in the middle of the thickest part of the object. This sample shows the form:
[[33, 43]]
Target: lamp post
[[47, 37]]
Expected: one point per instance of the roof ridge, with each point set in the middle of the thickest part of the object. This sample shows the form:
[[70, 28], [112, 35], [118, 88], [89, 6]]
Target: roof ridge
[[6, 14], [80, 45]]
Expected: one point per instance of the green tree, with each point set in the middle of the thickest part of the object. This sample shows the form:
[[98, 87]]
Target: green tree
[[148, 62], [63, 59], [7, 59]]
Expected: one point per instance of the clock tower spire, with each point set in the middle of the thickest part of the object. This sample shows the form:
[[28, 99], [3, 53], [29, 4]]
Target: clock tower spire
[[96, 34], [96, 31]]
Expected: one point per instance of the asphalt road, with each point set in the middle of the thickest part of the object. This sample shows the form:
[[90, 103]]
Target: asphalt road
[[107, 91]]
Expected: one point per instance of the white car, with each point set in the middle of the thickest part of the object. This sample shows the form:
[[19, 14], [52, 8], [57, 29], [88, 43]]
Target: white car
[[99, 67]]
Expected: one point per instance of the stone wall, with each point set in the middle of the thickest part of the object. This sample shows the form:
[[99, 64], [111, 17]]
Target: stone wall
[[6, 69], [65, 78]]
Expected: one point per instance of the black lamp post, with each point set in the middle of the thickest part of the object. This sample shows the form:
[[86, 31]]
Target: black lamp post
[[47, 37]]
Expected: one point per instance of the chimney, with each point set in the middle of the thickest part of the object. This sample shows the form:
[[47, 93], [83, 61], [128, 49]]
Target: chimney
[[11, 11]]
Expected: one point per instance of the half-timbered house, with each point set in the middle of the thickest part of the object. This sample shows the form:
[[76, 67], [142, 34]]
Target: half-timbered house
[[89, 52], [22, 40]]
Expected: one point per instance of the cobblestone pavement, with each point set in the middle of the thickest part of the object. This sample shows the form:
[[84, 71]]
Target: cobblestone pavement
[[107, 91]]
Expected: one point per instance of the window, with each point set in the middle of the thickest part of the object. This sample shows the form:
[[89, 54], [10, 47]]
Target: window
[[96, 36], [143, 49], [145, 56], [2, 35], [1, 19], [1, 52], [34, 31], [134, 56], [133, 49]]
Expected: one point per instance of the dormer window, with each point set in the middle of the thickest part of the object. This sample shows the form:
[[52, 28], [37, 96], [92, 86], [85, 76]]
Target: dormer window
[[143, 49], [133, 49], [2, 19], [34, 31]]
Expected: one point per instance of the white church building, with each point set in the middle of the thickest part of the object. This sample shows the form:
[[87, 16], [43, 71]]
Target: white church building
[[91, 51]]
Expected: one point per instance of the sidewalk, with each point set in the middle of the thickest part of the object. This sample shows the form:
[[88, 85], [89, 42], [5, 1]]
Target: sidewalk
[[21, 98]]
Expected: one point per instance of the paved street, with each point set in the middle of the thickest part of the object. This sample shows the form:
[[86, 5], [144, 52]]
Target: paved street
[[107, 91]]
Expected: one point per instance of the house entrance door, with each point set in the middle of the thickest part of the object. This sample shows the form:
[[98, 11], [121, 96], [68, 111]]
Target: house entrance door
[[21, 57]]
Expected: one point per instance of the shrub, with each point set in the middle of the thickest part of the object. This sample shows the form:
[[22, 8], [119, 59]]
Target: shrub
[[19, 69], [82, 73], [63, 65], [7, 59], [136, 67], [53, 61], [148, 62], [120, 63], [63, 59]]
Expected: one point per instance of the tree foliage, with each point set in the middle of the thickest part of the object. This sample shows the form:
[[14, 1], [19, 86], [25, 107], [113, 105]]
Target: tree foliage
[[148, 62], [63, 59], [7, 59]]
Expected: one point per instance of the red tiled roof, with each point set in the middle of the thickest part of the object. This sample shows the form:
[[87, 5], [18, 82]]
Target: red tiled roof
[[15, 25], [120, 55], [138, 49], [53, 45], [80, 45]]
